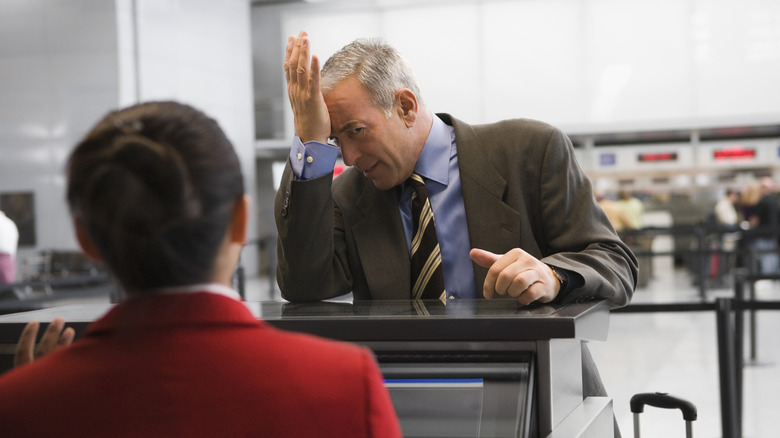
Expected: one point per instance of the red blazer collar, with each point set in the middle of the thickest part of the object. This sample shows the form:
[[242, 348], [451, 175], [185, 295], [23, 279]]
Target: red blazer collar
[[174, 310]]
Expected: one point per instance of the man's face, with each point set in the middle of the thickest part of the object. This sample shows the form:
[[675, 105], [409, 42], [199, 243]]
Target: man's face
[[379, 147]]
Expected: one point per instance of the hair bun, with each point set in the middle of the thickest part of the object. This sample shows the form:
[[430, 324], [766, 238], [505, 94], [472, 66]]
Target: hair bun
[[162, 172], [154, 186]]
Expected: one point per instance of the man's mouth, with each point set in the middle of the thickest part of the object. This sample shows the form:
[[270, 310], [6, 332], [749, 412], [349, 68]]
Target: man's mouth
[[368, 170]]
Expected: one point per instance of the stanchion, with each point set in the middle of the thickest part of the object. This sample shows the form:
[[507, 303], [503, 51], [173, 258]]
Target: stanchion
[[739, 334], [730, 416], [753, 350], [702, 259], [750, 304]]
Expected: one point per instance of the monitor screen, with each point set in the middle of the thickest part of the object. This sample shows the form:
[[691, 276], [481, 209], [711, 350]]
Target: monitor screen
[[461, 399]]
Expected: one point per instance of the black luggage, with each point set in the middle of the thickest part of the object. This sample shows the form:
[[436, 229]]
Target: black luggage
[[666, 401]]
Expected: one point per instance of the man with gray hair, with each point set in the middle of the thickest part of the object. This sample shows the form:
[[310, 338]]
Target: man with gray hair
[[514, 214]]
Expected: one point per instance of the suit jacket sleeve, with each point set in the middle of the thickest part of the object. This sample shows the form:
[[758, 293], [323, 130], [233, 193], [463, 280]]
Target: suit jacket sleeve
[[578, 234], [339, 236], [311, 254], [524, 189]]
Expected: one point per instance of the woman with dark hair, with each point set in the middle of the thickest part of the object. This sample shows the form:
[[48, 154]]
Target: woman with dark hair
[[156, 193]]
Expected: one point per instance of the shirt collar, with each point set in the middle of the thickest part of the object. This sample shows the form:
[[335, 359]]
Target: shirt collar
[[434, 160], [214, 288]]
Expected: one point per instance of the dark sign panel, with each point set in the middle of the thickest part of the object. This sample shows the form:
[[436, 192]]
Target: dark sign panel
[[658, 156]]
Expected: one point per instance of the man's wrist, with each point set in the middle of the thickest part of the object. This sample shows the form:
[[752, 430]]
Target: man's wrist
[[561, 276], [312, 159]]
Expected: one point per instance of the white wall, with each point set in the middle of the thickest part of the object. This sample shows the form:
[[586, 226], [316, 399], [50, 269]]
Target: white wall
[[58, 75], [197, 52], [63, 64], [584, 65]]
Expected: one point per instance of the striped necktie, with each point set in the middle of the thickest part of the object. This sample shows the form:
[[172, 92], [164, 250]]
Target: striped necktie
[[427, 276]]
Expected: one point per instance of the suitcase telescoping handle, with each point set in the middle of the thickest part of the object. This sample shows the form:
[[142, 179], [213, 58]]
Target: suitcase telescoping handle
[[665, 401]]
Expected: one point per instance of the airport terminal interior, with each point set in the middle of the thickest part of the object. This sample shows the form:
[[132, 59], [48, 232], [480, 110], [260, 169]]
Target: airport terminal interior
[[675, 120]]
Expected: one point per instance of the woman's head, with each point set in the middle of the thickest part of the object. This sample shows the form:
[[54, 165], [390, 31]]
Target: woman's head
[[154, 187]]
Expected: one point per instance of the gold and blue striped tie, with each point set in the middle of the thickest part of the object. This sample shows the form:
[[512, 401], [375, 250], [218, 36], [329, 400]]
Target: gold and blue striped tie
[[427, 276]]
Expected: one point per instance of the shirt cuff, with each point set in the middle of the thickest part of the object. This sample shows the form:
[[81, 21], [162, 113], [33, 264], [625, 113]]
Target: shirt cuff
[[312, 159], [573, 281]]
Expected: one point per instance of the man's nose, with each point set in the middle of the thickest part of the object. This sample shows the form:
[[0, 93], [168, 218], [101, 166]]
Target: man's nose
[[349, 154]]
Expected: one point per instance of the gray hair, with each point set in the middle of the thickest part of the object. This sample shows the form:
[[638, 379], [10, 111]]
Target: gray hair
[[378, 67]]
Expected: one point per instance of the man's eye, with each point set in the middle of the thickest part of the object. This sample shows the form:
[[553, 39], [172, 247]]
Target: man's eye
[[357, 130]]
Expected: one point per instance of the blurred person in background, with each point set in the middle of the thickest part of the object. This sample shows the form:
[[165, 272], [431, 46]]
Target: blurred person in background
[[617, 215], [9, 240], [727, 220], [726, 210], [764, 224], [632, 206], [748, 199]]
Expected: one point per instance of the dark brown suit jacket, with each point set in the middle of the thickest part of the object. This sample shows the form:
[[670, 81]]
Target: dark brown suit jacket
[[522, 188]]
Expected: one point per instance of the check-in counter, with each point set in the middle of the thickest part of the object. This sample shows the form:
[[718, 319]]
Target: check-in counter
[[470, 368]]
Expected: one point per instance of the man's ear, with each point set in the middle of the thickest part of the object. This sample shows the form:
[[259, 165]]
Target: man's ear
[[86, 242], [240, 220], [408, 106]]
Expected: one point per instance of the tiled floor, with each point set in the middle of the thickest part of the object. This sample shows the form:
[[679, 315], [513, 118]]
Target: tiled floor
[[677, 353]]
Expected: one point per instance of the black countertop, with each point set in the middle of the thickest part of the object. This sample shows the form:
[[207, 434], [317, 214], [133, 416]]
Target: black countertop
[[368, 321]]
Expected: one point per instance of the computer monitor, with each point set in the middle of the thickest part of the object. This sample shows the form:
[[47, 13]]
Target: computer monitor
[[462, 399]]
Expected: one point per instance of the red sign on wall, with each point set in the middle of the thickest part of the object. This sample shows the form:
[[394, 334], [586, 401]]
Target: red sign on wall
[[735, 153]]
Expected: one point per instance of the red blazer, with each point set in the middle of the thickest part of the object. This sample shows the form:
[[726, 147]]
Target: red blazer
[[196, 365]]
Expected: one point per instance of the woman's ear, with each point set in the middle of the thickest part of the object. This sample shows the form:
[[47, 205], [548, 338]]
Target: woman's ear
[[240, 221], [85, 242]]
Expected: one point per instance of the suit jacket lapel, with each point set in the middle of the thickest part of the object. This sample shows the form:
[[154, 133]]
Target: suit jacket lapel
[[383, 255], [493, 225]]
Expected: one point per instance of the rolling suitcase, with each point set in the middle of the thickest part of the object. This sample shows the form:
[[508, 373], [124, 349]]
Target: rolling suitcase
[[666, 401]]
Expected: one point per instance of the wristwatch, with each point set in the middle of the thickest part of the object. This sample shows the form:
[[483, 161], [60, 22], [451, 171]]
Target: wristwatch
[[561, 276]]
